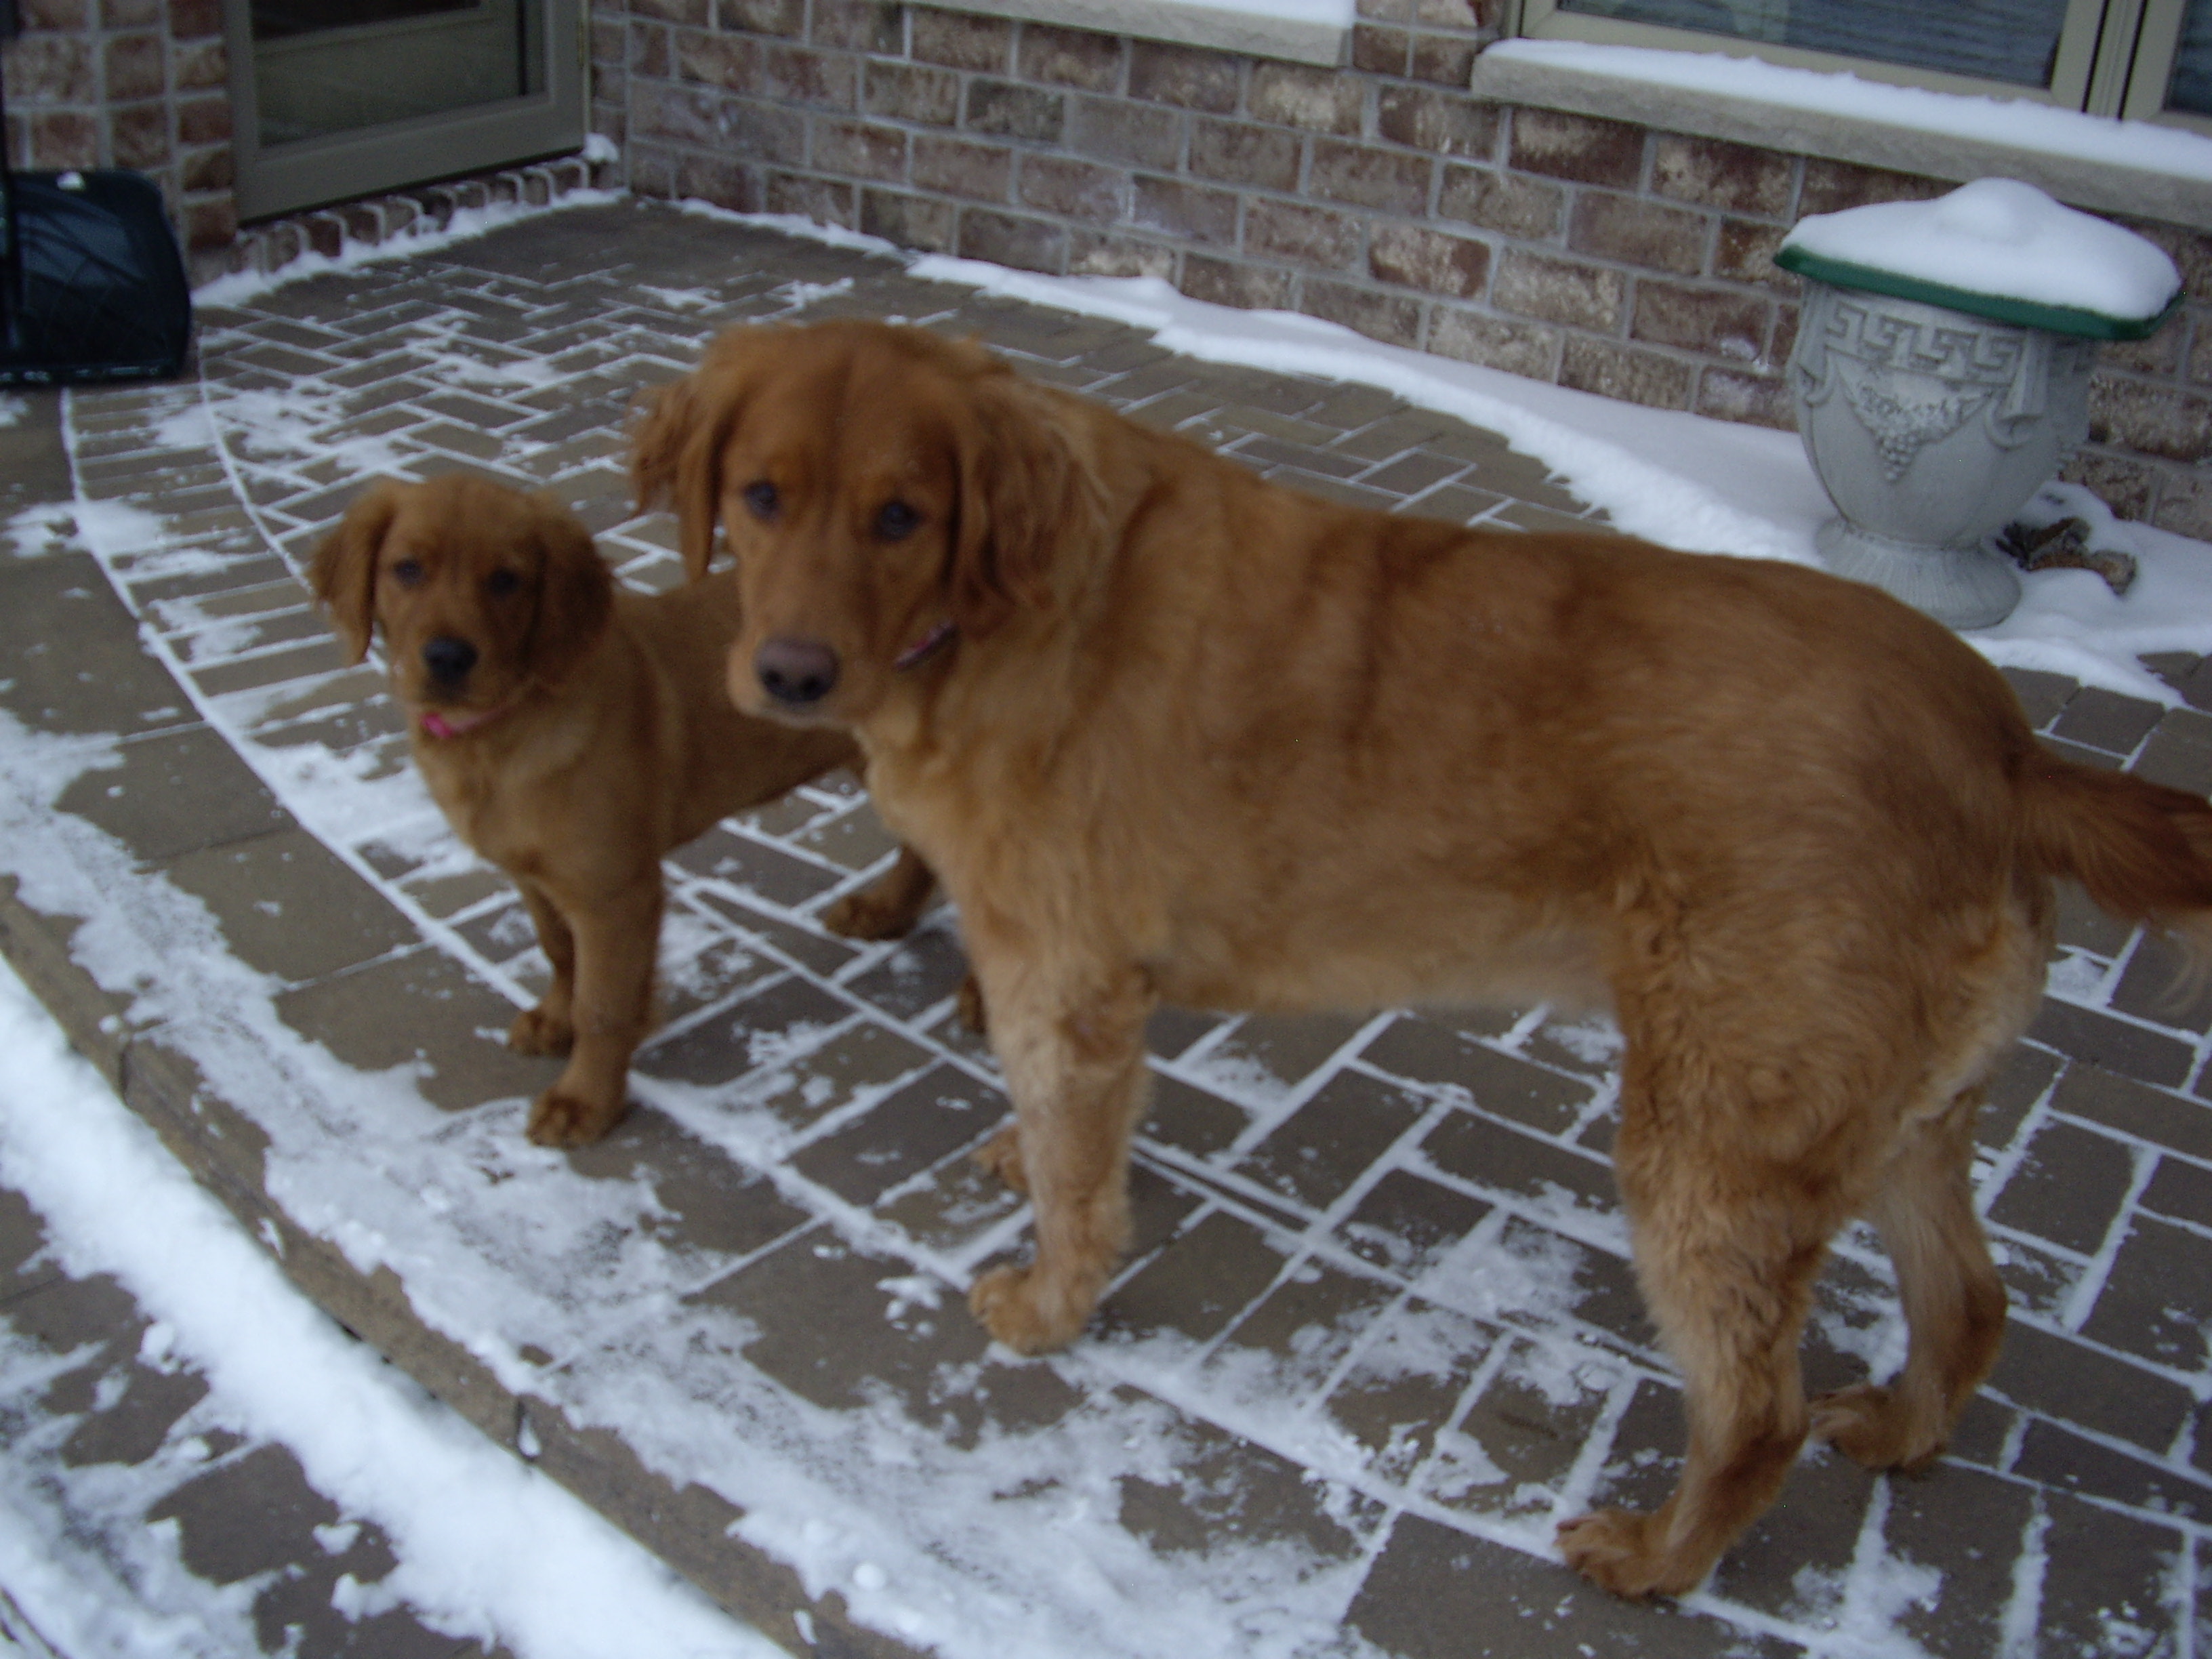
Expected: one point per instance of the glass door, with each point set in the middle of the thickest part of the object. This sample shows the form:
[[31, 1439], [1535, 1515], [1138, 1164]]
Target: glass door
[[335, 98]]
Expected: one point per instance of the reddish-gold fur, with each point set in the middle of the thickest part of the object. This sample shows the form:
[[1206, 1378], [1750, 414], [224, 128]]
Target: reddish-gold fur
[[1202, 740], [608, 743]]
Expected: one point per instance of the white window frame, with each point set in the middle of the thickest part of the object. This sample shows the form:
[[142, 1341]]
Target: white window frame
[[2150, 66], [2115, 56]]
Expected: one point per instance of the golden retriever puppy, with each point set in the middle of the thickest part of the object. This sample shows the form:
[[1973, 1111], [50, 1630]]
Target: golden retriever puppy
[[1168, 732], [574, 733]]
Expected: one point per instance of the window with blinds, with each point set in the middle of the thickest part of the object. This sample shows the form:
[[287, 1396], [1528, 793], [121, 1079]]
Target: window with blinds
[[2144, 59]]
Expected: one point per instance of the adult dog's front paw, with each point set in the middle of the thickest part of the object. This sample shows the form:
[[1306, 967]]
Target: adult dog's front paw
[[1617, 1550], [1001, 1155], [1873, 1426], [535, 1031], [1021, 1311], [563, 1120]]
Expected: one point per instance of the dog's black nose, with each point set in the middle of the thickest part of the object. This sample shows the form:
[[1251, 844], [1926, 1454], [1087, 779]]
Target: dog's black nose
[[795, 671], [448, 659]]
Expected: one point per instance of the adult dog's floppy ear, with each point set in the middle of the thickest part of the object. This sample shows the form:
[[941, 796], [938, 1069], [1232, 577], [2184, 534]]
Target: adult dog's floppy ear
[[1024, 491], [576, 591], [344, 574], [665, 416], [676, 447]]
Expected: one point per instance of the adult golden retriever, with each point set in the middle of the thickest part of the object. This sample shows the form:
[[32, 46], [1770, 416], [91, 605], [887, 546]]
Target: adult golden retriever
[[1168, 732], [574, 733]]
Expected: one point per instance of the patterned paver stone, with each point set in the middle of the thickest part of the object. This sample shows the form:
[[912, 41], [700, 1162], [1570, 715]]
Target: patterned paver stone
[[1378, 1335]]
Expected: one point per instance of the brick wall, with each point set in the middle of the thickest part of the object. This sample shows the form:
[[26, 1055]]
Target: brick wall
[[1593, 253], [128, 83]]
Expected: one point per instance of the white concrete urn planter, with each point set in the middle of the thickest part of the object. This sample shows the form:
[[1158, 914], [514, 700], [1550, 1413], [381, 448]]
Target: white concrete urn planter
[[1932, 403]]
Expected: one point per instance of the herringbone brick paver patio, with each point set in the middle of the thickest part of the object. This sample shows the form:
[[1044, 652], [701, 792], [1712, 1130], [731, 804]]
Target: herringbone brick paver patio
[[1379, 1333]]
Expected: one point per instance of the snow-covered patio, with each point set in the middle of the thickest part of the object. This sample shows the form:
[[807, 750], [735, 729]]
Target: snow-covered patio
[[1379, 1334]]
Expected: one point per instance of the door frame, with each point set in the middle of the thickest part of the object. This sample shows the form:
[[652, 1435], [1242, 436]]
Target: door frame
[[343, 166]]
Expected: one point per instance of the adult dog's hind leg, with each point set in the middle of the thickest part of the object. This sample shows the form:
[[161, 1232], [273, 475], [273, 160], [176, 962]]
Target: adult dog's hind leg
[[1075, 1066], [887, 907], [1921, 1203], [1954, 1303], [1727, 1252]]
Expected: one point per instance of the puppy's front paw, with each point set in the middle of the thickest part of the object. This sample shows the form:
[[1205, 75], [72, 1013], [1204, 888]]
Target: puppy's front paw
[[1020, 1310], [535, 1031], [562, 1119], [1616, 1550]]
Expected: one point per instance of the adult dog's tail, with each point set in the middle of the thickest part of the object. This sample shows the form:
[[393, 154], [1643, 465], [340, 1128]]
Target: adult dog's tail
[[2144, 851]]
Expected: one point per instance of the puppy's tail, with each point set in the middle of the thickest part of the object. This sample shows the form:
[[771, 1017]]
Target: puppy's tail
[[2144, 851]]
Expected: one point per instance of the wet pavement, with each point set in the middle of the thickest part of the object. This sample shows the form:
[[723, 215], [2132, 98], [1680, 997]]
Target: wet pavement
[[1378, 1334]]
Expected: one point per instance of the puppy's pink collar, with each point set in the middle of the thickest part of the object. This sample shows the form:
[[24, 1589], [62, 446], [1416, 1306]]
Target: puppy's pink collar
[[926, 646], [440, 728]]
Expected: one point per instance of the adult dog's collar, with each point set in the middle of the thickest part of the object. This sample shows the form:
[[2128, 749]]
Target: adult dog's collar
[[926, 646]]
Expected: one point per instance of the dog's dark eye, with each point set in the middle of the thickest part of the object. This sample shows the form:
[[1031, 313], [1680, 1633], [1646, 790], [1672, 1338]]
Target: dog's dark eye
[[501, 583], [763, 499], [897, 521], [407, 573]]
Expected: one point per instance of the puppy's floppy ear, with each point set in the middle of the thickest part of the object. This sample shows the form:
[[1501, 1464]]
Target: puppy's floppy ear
[[344, 574], [1023, 492], [676, 447], [575, 590]]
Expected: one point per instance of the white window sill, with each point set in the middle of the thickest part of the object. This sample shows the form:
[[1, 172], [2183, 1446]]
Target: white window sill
[[2132, 168], [1320, 32]]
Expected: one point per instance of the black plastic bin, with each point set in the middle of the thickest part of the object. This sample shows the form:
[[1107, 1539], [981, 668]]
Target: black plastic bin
[[91, 284]]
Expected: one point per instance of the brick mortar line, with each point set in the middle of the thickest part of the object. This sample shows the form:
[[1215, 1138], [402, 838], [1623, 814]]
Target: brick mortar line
[[2164, 1462], [1223, 1189], [2097, 1267], [2000, 1232], [793, 968]]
